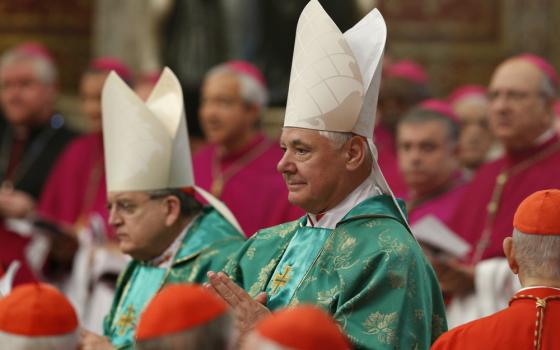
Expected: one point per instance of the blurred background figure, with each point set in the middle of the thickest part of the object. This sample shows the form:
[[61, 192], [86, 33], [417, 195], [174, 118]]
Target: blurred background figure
[[241, 158], [427, 143], [470, 103], [533, 254], [521, 92], [32, 136], [403, 86], [144, 84], [83, 258], [302, 327], [186, 316], [37, 316], [557, 113]]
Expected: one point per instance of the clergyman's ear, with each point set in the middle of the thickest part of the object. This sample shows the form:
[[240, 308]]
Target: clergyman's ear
[[509, 251], [356, 153], [173, 210]]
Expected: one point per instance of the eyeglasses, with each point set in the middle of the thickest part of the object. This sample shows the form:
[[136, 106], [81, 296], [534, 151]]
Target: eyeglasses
[[127, 207], [515, 96]]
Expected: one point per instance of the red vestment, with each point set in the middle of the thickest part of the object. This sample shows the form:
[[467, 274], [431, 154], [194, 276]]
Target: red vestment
[[509, 180], [255, 192], [511, 328]]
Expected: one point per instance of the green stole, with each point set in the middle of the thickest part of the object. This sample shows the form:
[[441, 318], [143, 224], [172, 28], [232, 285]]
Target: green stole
[[298, 258], [145, 281]]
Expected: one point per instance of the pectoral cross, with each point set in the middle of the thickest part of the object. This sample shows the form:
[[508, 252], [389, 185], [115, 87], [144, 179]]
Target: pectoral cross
[[280, 279], [126, 320]]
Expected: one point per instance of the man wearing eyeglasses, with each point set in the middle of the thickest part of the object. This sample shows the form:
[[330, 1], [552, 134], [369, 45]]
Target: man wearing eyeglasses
[[157, 220], [521, 94]]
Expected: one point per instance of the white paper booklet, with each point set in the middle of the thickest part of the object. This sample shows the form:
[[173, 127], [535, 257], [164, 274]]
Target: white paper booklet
[[434, 233]]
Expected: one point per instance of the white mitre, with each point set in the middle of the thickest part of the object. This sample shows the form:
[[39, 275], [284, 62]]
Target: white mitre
[[335, 77], [146, 145]]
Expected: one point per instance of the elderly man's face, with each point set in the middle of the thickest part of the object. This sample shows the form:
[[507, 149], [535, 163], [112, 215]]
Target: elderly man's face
[[139, 222], [519, 112], [224, 115], [427, 157], [26, 100], [312, 168], [475, 138], [91, 86]]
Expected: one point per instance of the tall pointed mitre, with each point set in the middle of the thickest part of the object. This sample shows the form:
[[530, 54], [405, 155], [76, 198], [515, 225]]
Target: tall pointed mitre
[[146, 145], [335, 77]]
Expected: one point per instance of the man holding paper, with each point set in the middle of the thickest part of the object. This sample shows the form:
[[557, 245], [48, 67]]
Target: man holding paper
[[352, 254]]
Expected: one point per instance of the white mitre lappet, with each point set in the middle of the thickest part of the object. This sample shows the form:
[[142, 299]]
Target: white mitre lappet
[[146, 143], [335, 77]]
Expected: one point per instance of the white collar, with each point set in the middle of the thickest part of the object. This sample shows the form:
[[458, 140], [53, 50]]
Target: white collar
[[165, 260], [545, 137], [333, 216], [533, 287]]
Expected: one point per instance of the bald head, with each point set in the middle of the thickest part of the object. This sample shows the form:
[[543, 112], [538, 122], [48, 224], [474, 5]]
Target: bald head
[[520, 103]]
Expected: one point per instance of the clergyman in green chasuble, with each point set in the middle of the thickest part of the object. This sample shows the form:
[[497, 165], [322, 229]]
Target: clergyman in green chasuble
[[158, 221], [353, 253]]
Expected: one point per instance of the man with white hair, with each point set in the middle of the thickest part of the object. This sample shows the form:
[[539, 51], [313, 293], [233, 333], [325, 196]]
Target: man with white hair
[[533, 253], [353, 253], [241, 158], [151, 203], [186, 316], [31, 138], [38, 317]]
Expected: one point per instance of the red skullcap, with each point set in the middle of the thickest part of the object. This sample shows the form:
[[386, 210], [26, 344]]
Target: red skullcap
[[466, 91], [439, 107], [35, 49], [37, 310], [539, 213], [543, 65], [107, 64], [246, 68], [303, 328], [179, 307], [408, 70]]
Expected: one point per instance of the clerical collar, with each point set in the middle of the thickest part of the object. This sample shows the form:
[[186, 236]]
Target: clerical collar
[[537, 287], [545, 137], [165, 260], [330, 218]]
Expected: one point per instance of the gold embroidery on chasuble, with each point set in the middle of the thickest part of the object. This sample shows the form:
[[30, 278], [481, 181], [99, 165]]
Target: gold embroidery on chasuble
[[126, 320], [326, 297], [280, 279], [382, 326], [259, 285]]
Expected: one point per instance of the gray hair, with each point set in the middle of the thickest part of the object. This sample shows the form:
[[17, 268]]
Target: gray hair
[[218, 334], [189, 204], [337, 139], [420, 115], [251, 90], [68, 341], [537, 255], [45, 70]]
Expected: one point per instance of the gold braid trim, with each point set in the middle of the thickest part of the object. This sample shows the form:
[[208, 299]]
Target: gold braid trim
[[495, 201], [540, 303]]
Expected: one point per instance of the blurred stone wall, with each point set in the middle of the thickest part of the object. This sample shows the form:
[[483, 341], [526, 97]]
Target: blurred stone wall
[[461, 41]]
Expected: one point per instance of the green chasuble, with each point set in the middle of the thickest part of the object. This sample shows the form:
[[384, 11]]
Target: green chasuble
[[208, 244], [369, 273]]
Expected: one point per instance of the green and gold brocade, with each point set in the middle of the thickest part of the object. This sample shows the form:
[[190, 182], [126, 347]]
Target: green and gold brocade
[[368, 272], [207, 246]]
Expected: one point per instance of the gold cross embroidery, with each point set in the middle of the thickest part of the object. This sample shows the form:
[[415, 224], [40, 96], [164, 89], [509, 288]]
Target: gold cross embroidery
[[280, 279], [126, 320]]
